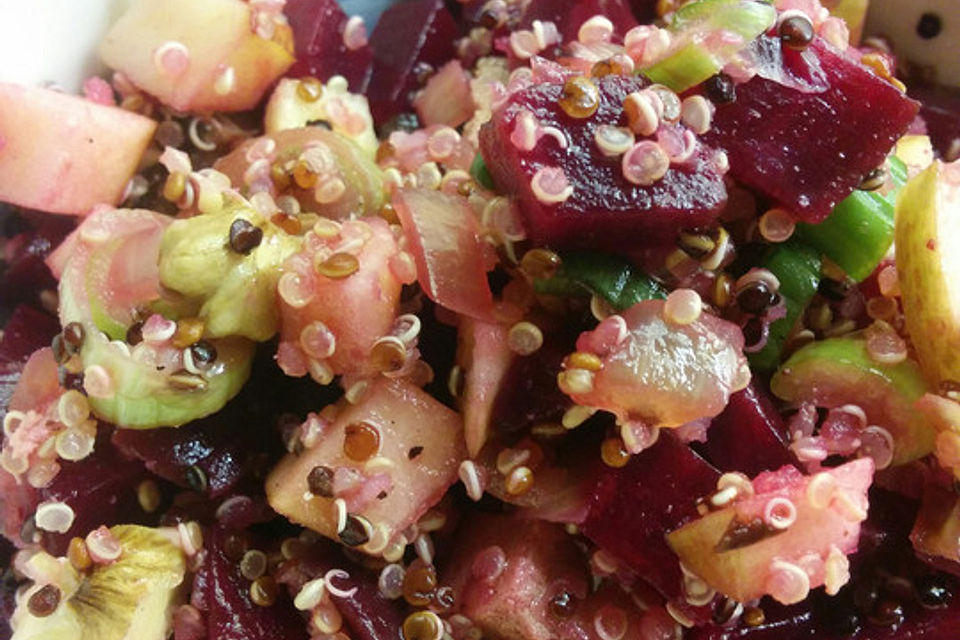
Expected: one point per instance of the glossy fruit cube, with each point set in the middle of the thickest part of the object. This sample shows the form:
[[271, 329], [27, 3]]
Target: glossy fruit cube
[[64, 154], [199, 55], [386, 459]]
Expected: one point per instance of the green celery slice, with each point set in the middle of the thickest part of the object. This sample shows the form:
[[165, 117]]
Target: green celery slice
[[611, 277]]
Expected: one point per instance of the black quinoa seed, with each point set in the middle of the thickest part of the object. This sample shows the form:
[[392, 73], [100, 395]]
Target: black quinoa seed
[[721, 89], [244, 237]]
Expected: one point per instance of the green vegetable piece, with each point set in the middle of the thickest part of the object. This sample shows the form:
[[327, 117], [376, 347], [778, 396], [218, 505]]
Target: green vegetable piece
[[144, 398], [235, 291], [691, 60], [838, 371], [478, 169], [611, 277], [858, 233], [797, 267]]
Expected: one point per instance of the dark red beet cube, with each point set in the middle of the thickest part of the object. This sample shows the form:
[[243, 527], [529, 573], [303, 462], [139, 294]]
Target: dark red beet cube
[[940, 110], [809, 148], [568, 15], [605, 210], [101, 489], [25, 332], [24, 274], [367, 614], [634, 507], [320, 50], [231, 614], [645, 11], [748, 436], [411, 40]]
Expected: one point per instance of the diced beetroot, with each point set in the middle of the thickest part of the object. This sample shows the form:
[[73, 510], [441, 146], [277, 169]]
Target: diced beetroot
[[838, 134], [25, 275], [231, 614], [400, 457], [446, 98], [940, 110], [569, 15], [367, 614], [645, 11], [748, 436], [26, 331], [634, 506], [319, 45], [101, 489], [510, 574], [443, 234], [410, 38], [604, 210]]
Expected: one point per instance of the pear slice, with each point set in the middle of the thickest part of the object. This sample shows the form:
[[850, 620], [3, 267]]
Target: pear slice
[[131, 599]]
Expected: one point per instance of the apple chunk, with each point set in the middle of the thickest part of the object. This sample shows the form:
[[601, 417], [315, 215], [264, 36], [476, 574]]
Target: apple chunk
[[200, 55], [927, 238], [781, 535], [375, 466], [64, 154]]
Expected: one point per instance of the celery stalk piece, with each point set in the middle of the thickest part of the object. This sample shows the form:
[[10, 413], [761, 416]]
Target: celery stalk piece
[[859, 232], [797, 266], [707, 35], [592, 272]]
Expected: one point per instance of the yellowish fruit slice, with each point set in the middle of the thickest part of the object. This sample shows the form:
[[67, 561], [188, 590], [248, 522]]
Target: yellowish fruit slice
[[927, 240], [131, 598]]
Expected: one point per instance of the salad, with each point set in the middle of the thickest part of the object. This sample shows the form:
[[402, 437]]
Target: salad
[[511, 319]]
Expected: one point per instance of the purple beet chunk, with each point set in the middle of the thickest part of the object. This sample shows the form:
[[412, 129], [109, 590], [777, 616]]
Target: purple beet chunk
[[318, 39], [748, 436], [529, 393], [940, 110], [634, 507], [605, 209], [645, 11], [809, 148], [410, 38], [24, 273], [101, 489], [569, 15], [367, 614], [231, 615], [25, 332]]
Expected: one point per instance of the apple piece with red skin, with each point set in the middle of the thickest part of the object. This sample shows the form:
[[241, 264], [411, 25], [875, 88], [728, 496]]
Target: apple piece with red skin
[[781, 536], [417, 451], [199, 56], [65, 154]]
